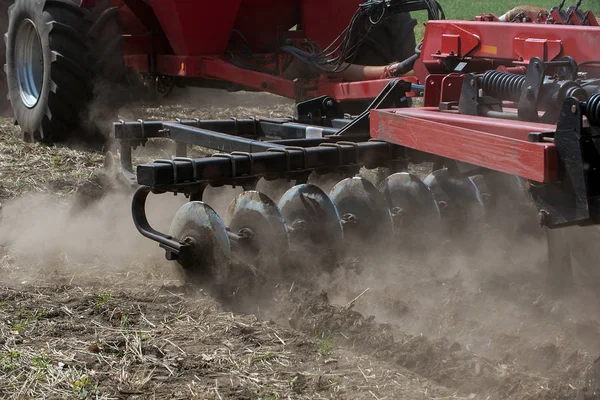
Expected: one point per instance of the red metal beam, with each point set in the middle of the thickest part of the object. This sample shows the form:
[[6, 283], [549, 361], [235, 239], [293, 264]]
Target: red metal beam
[[219, 69], [138, 62], [502, 43], [356, 90], [501, 127], [498, 144]]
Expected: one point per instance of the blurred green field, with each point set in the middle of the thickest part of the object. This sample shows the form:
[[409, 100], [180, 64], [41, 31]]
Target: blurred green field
[[469, 9]]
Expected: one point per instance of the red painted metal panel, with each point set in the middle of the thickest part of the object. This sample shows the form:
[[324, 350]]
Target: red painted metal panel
[[262, 22], [356, 90], [142, 44], [204, 27], [197, 27], [482, 146], [323, 21], [433, 90], [138, 62], [513, 129], [219, 69], [136, 17], [504, 42], [451, 87], [216, 68]]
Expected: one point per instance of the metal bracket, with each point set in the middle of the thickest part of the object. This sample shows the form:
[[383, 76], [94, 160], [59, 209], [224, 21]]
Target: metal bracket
[[470, 103], [534, 79], [318, 111], [575, 199], [393, 95], [173, 248]]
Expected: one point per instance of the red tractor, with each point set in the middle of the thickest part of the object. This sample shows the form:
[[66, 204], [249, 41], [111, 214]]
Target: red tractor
[[510, 120], [67, 60]]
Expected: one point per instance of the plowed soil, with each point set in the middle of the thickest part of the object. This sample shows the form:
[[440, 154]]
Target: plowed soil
[[91, 309]]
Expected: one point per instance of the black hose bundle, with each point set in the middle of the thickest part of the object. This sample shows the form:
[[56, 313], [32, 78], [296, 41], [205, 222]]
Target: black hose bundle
[[341, 52]]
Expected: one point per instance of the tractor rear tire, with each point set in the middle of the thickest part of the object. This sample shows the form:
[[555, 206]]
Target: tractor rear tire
[[5, 109], [64, 64]]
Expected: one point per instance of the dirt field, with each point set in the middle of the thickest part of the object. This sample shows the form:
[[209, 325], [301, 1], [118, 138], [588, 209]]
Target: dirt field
[[90, 309]]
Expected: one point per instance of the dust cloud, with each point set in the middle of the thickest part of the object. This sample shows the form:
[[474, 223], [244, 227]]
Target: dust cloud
[[42, 233], [486, 290]]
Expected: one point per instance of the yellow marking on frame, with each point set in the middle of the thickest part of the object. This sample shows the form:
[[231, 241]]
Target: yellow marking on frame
[[489, 49]]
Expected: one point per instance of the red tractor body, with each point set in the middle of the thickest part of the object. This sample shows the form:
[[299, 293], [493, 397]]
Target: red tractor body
[[203, 28], [187, 39], [195, 39]]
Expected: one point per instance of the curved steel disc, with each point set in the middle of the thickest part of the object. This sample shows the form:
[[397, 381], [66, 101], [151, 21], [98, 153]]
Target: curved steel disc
[[326, 181], [313, 218], [253, 214], [219, 197], [461, 198], [411, 202], [362, 207], [273, 188], [514, 211], [510, 186], [210, 255]]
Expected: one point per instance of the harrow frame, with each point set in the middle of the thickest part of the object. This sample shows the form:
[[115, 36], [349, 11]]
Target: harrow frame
[[526, 113], [280, 149]]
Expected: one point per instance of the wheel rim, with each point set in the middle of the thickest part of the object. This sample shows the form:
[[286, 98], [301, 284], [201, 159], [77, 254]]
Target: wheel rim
[[29, 63]]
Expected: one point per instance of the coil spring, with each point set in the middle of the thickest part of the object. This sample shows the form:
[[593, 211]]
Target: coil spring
[[592, 110], [503, 85]]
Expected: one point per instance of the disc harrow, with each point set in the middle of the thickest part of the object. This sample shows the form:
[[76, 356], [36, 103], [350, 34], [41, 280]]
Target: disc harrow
[[498, 145], [264, 233]]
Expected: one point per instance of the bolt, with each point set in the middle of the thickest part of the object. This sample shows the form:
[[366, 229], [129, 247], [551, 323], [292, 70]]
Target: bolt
[[529, 91], [299, 225], [329, 103], [246, 233], [442, 204], [574, 109], [543, 217], [349, 218], [397, 212]]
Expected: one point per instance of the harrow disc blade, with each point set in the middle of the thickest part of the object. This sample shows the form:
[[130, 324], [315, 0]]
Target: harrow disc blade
[[462, 200], [412, 204], [315, 225], [363, 209], [326, 181], [209, 258], [273, 188], [514, 211], [261, 228]]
